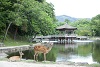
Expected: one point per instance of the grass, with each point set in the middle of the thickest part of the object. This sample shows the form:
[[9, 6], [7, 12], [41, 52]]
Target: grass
[[94, 65], [12, 42]]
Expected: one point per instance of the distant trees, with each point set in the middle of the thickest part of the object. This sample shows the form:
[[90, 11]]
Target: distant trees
[[83, 26], [88, 27], [95, 25], [67, 21]]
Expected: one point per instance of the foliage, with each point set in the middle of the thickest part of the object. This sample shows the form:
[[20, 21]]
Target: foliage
[[4, 5], [88, 27], [83, 26], [67, 21], [95, 23], [27, 17]]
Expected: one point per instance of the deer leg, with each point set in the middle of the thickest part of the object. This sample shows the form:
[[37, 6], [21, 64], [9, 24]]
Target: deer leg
[[44, 57], [37, 57], [34, 56]]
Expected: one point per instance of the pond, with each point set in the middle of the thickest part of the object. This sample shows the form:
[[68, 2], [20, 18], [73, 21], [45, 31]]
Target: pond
[[75, 52], [87, 52]]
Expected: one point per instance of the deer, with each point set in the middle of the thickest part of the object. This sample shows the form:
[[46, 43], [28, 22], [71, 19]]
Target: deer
[[16, 58], [42, 49]]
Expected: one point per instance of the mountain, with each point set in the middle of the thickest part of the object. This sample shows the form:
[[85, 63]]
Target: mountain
[[62, 18]]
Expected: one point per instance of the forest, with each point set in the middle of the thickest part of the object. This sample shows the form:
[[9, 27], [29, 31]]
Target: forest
[[27, 18]]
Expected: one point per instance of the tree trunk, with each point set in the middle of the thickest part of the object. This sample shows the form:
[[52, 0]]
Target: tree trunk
[[34, 36], [15, 33], [6, 32], [30, 40]]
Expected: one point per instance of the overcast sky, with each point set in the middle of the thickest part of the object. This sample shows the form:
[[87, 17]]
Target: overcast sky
[[76, 8]]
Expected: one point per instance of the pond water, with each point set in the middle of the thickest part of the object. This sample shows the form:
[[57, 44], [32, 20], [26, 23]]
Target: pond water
[[88, 52]]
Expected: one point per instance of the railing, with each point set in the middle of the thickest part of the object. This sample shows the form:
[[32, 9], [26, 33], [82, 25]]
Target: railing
[[59, 35]]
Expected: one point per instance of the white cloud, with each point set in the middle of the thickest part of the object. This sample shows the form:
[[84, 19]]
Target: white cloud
[[76, 8]]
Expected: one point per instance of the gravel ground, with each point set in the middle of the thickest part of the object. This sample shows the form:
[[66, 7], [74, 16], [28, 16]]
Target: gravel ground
[[25, 64]]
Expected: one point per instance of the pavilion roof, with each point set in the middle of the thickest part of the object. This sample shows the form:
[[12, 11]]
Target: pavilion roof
[[66, 27]]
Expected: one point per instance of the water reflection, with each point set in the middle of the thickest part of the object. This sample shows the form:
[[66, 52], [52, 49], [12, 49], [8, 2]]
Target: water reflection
[[96, 52], [81, 52]]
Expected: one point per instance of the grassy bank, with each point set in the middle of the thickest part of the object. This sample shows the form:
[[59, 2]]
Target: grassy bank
[[12, 42]]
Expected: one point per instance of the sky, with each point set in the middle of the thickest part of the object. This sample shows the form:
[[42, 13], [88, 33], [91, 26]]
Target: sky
[[76, 8]]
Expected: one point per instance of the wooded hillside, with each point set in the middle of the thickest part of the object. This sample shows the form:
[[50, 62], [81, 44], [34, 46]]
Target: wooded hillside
[[26, 17]]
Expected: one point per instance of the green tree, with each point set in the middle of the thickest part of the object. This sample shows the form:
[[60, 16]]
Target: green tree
[[40, 17], [27, 18], [95, 23], [83, 26], [67, 21], [5, 5]]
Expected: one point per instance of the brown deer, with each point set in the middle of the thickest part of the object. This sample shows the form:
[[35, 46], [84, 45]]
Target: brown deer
[[16, 58], [42, 49]]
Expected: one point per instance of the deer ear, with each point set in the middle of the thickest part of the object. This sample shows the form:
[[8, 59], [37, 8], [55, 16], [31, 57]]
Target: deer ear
[[19, 51], [51, 43]]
